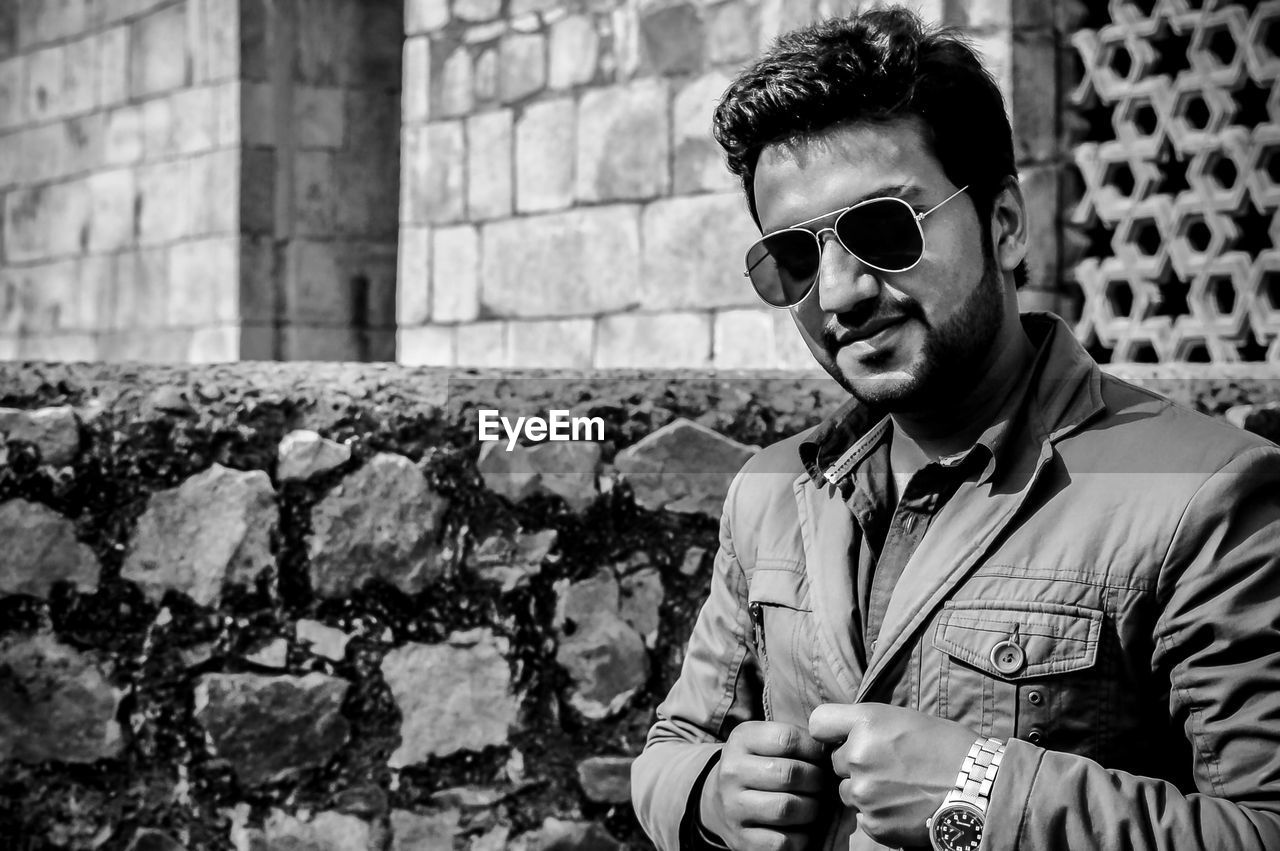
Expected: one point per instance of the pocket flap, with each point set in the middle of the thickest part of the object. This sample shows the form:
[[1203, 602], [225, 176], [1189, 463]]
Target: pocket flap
[[779, 587], [1054, 638]]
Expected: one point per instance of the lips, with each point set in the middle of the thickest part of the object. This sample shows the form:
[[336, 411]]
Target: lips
[[867, 330]]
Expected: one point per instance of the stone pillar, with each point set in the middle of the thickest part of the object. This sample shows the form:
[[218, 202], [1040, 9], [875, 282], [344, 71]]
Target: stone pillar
[[327, 103]]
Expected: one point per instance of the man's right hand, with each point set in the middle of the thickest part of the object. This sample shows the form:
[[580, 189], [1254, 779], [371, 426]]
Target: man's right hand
[[764, 792]]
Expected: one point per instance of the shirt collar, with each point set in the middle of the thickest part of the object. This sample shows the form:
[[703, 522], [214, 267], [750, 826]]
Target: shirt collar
[[838, 445]]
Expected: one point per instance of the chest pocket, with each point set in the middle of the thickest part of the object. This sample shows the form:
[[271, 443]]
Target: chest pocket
[[1022, 669], [778, 602]]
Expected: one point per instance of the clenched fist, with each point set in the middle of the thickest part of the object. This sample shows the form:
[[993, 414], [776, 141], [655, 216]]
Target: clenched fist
[[765, 791]]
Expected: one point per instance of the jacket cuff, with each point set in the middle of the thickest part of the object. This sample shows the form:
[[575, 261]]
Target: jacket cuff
[[1011, 796], [694, 835]]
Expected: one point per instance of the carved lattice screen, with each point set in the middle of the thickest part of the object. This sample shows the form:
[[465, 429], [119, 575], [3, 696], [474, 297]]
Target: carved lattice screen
[[1180, 168]]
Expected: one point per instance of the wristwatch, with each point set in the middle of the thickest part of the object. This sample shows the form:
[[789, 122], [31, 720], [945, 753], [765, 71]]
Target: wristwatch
[[957, 824]]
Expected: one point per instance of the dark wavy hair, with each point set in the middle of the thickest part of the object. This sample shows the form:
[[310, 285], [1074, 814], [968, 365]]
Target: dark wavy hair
[[877, 66]]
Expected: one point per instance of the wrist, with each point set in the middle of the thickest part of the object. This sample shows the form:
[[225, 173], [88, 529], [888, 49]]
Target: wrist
[[711, 822]]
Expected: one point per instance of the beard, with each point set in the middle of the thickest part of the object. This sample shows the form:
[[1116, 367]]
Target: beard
[[953, 351]]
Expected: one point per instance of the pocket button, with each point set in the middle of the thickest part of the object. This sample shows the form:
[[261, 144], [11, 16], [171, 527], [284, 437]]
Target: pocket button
[[1008, 657]]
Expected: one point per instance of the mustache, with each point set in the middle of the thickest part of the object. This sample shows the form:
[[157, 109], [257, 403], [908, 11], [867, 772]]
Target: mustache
[[837, 329]]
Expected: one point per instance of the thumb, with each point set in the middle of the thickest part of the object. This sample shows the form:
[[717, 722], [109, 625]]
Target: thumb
[[831, 723]]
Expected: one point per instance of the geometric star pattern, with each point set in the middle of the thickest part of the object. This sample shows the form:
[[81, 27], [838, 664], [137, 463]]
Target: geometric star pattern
[[1180, 194]]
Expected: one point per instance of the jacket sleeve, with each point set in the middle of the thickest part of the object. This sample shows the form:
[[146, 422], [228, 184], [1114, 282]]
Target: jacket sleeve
[[718, 688], [1217, 640]]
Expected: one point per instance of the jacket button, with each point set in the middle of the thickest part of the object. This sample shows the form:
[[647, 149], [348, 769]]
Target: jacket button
[[1008, 657], [1035, 737], [1035, 698]]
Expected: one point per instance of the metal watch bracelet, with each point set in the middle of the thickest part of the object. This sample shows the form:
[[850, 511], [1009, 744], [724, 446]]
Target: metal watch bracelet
[[958, 823], [978, 771]]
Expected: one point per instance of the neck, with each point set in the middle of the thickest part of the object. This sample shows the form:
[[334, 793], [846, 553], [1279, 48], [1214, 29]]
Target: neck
[[954, 427]]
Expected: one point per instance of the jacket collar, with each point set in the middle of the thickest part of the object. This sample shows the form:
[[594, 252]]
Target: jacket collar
[[1061, 391]]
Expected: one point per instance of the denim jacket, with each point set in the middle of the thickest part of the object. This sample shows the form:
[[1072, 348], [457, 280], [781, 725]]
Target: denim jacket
[[1129, 547]]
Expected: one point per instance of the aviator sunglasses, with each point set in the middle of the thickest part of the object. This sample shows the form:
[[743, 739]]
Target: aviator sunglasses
[[883, 233]]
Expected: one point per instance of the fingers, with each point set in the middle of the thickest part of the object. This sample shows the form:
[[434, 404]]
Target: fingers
[[776, 809], [832, 723], [848, 791], [765, 787], [772, 738], [781, 774], [762, 839]]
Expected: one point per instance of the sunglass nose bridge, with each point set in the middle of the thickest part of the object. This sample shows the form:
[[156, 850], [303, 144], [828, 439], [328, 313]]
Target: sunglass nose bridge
[[818, 235]]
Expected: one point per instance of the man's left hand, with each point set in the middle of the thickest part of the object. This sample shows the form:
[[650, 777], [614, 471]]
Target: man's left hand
[[897, 764]]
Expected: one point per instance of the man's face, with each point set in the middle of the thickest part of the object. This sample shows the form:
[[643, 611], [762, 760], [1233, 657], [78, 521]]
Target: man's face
[[896, 340]]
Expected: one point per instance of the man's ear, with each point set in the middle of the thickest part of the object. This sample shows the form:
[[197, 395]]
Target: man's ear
[[1009, 225]]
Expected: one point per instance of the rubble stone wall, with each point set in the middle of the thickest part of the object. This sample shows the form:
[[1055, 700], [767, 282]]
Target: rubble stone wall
[[268, 606], [564, 205]]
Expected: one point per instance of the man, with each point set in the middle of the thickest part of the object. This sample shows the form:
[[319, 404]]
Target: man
[[999, 599]]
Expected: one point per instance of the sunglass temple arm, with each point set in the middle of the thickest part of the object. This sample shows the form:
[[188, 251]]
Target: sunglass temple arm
[[920, 216]]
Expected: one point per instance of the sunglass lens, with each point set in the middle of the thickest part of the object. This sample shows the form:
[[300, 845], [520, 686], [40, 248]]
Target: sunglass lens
[[882, 233], [783, 265]]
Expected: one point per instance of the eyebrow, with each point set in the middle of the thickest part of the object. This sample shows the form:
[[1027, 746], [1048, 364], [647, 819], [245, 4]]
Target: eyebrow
[[904, 191]]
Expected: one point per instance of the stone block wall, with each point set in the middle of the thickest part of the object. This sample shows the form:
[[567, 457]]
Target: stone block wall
[[198, 180], [119, 172], [564, 204], [301, 606]]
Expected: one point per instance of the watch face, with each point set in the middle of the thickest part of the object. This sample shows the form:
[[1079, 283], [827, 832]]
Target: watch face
[[958, 829]]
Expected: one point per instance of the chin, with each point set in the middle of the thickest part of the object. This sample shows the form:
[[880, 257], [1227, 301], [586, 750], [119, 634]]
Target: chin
[[883, 379], [890, 391]]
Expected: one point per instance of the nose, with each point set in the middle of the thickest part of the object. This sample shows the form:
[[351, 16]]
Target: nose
[[844, 281]]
